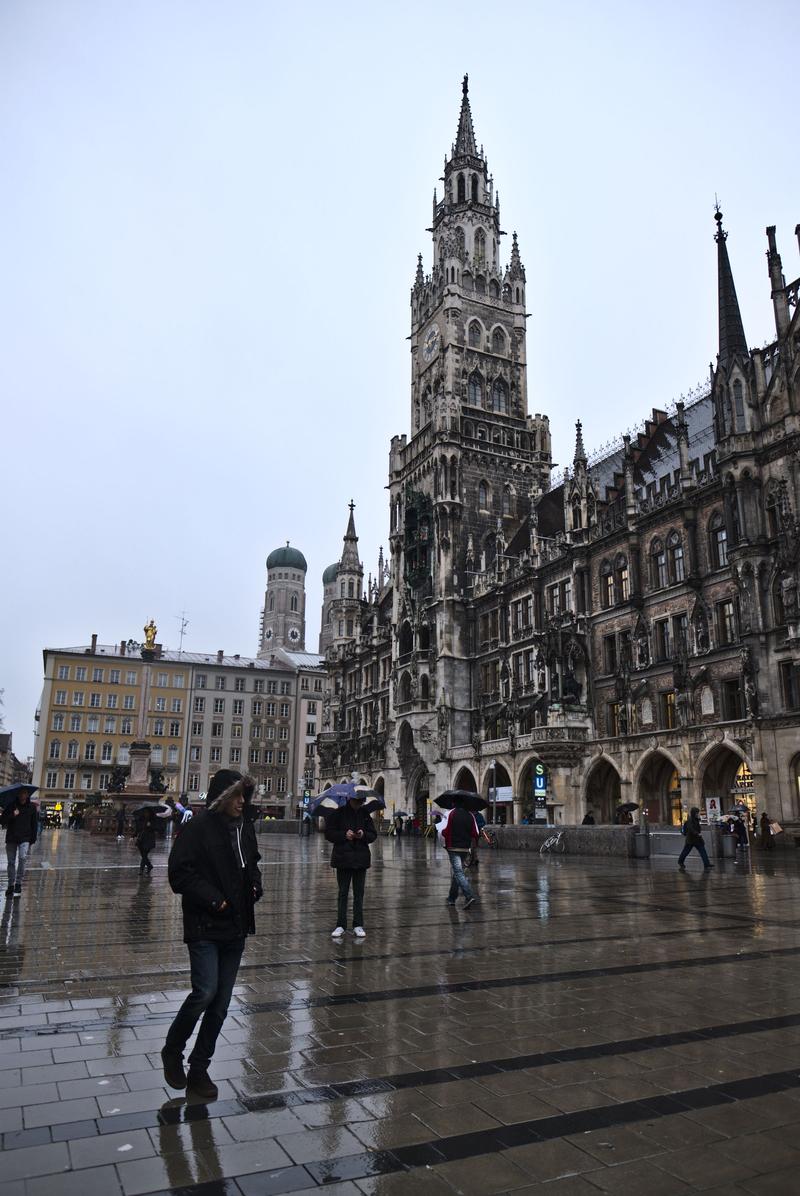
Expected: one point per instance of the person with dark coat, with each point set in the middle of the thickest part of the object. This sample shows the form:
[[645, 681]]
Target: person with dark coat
[[765, 836], [693, 831], [21, 825], [459, 831], [146, 841], [588, 819], [351, 830], [214, 866]]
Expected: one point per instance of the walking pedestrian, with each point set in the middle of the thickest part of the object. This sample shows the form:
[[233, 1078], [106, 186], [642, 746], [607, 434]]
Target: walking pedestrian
[[693, 832], [21, 823], [459, 831], [588, 819], [120, 823], [351, 830], [214, 866], [146, 841], [765, 833], [398, 824]]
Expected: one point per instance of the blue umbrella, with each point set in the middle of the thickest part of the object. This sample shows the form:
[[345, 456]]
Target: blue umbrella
[[10, 793], [334, 797]]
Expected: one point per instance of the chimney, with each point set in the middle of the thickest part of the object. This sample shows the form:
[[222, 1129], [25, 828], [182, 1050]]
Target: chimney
[[122, 647], [94, 644], [220, 655]]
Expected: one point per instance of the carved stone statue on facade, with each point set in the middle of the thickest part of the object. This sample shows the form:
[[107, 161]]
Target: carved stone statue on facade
[[326, 710], [443, 726], [642, 649]]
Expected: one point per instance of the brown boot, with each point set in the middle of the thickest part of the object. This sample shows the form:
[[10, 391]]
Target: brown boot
[[172, 1062], [199, 1083]]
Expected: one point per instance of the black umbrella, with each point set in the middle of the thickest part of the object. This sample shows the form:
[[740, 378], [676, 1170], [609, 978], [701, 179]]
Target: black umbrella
[[150, 805], [470, 801], [628, 807], [10, 793]]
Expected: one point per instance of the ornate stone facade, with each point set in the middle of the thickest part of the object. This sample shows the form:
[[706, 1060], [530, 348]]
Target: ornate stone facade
[[634, 628]]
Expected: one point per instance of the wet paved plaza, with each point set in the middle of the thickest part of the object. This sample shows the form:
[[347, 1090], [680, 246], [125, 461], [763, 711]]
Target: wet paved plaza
[[588, 1026]]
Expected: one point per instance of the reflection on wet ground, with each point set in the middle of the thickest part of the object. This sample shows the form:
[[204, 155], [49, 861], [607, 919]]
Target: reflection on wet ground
[[587, 1026]]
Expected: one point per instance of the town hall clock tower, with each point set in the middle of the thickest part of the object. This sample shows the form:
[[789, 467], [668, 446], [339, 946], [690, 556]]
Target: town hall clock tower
[[461, 486]]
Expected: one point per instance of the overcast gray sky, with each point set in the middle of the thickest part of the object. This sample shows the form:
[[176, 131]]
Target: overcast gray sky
[[209, 219]]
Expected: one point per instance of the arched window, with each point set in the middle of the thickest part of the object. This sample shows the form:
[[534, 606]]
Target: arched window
[[507, 500], [405, 688], [107, 753], [90, 750], [468, 429], [406, 643], [480, 284], [500, 396], [55, 749], [474, 334], [483, 496], [474, 188], [717, 541], [480, 245], [506, 293], [499, 341], [342, 589], [494, 289], [124, 754], [293, 602], [72, 749], [351, 588], [606, 585], [577, 515], [677, 570], [622, 578], [461, 191], [658, 565], [738, 406], [271, 603], [424, 687], [475, 390], [516, 298]]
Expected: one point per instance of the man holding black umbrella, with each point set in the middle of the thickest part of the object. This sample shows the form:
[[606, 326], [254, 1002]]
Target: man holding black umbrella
[[21, 823], [459, 831]]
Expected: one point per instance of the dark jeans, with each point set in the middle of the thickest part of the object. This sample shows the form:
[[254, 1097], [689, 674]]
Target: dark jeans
[[358, 878], [459, 880], [144, 852], [214, 968], [700, 847]]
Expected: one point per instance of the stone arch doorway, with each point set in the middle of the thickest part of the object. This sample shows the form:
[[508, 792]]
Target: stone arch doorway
[[659, 790], [380, 786], [504, 810], [603, 791], [466, 781], [524, 789], [419, 793], [719, 772]]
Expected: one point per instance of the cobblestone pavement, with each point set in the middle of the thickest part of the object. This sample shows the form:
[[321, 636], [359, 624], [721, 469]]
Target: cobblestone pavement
[[587, 1026]]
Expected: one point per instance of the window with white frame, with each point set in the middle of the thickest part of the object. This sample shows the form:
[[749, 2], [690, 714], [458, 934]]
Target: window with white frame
[[77, 697], [86, 781], [258, 686], [158, 726], [216, 755], [197, 728], [255, 756], [80, 672], [128, 702], [110, 724], [269, 732], [311, 708], [235, 755], [72, 749], [61, 697], [97, 674], [219, 682], [124, 754], [219, 705], [63, 675], [194, 754], [199, 705], [52, 780], [283, 733], [55, 749], [284, 709], [177, 680], [272, 687], [239, 685], [111, 701], [281, 757], [281, 784], [103, 781], [58, 722], [270, 709], [92, 724], [161, 704], [238, 706], [216, 730], [194, 782], [268, 784], [162, 680], [285, 687], [177, 705], [200, 681], [89, 750], [126, 726], [236, 731], [174, 729], [113, 676], [107, 753], [256, 708], [130, 677], [255, 731], [69, 780], [268, 756], [155, 754]]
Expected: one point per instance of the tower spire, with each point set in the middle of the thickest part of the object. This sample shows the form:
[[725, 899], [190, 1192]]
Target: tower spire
[[732, 341], [580, 451], [350, 562], [465, 137]]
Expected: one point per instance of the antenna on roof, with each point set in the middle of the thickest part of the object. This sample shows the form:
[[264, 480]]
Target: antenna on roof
[[184, 622]]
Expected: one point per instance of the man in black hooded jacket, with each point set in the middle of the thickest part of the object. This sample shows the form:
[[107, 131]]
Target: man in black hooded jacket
[[213, 865]]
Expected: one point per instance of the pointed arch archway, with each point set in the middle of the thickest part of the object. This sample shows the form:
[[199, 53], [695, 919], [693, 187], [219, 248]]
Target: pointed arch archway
[[502, 779], [465, 780], [602, 790], [657, 787], [716, 771]]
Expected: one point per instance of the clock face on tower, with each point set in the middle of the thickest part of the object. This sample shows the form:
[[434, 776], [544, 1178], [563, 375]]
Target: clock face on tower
[[430, 346], [294, 634], [268, 634]]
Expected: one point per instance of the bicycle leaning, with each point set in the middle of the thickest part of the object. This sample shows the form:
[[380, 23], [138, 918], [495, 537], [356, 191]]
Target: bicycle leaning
[[554, 844]]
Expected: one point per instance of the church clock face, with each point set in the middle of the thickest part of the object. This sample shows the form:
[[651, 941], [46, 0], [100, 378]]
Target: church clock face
[[268, 634], [430, 346], [294, 635]]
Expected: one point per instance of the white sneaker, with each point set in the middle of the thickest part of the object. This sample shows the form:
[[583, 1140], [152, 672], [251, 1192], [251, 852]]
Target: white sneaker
[[338, 932], [359, 932]]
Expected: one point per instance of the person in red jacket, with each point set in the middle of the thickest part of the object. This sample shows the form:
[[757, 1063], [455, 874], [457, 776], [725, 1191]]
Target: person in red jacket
[[459, 830]]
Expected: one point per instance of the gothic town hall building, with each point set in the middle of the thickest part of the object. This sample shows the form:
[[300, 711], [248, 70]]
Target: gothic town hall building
[[634, 629]]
